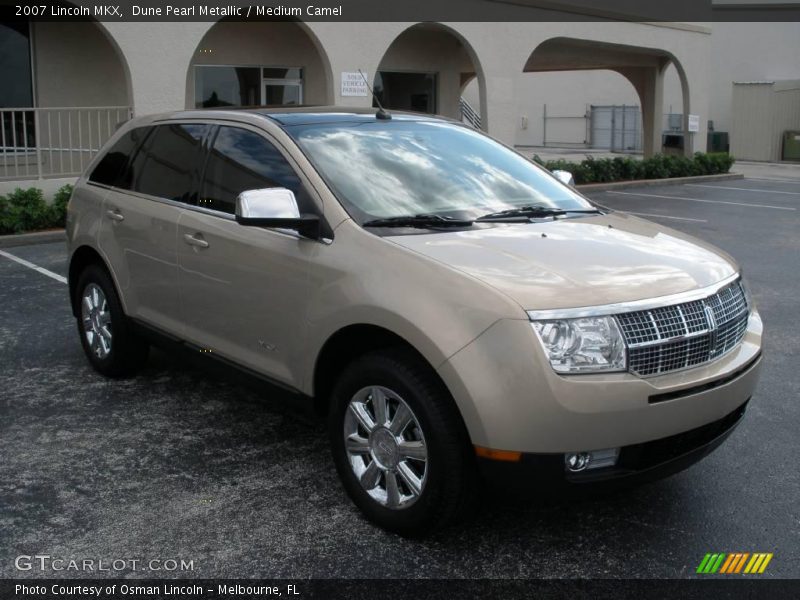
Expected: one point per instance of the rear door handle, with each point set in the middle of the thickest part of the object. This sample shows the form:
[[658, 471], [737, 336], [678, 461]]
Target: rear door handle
[[115, 215], [194, 241]]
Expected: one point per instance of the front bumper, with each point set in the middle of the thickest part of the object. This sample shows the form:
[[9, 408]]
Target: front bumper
[[512, 400], [637, 463]]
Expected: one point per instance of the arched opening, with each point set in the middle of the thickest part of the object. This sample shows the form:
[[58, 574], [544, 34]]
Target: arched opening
[[610, 125], [428, 69], [258, 64], [66, 87]]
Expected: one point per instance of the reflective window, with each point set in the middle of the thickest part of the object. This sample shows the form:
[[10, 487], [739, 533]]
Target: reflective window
[[113, 162], [167, 162], [221, 86], [15, 66], [243, 160], [227, 86], [282, 95], [406, 91], [404, 167], [17, 131]]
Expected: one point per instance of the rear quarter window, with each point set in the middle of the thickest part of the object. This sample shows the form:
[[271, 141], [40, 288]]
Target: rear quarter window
[[110, 167], [167, 163]]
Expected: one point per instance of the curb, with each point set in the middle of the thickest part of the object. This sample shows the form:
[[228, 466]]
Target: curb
[[599, 187], [37, 237]]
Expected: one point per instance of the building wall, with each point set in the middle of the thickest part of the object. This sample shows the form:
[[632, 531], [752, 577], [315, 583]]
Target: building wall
[[762, 112], [76, 65], [749, 52], [263, 44], [159, 55], [570, 93], [432, 51]]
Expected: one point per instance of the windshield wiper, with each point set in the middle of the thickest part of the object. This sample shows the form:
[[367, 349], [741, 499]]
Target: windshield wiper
[[420, 221], [523, 213]]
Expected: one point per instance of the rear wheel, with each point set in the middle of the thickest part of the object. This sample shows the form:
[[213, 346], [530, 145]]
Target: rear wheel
[[108, 341], [399, 444]]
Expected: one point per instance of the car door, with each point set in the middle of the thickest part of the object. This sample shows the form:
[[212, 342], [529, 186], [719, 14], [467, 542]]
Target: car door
[[244, 289], [140, 220]]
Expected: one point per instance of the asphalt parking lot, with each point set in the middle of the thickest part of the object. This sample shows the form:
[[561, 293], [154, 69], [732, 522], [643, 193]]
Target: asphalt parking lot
[[178, 463]]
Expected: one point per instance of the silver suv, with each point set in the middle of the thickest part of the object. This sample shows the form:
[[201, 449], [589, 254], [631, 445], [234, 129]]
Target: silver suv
[[459, 313]]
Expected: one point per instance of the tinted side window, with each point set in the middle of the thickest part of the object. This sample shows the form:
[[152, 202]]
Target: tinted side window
[[242, 160], [113, 162], [167, 162]]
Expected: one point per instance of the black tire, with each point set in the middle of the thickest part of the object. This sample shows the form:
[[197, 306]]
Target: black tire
[[449, 491], [128, 352]]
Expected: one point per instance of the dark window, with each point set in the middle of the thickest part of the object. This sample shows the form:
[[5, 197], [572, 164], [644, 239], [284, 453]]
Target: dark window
[[17, 131], [406, 91], [242, 160], [216, 85], [113, 162], [166, 164], [227, 86], [16, 90]]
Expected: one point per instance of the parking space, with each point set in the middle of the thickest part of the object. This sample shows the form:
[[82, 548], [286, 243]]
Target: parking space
[[181, 463]]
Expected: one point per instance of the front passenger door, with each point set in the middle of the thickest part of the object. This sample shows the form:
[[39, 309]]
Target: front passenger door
[[244, 289]]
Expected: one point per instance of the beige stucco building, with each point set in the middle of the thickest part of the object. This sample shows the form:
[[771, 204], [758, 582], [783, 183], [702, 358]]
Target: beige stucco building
[[86, 77]]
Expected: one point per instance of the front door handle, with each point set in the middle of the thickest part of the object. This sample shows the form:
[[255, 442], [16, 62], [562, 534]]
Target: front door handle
[[194, 241], [115, 215]]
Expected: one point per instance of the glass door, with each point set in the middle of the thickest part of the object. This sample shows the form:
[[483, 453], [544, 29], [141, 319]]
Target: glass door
[[281, 86]]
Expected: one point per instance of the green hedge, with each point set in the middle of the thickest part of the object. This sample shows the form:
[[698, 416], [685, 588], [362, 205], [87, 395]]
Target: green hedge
[[624, 168], [26, 210]]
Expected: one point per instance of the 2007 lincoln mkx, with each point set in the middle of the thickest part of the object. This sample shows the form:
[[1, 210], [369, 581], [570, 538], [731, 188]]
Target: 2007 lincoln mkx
[[459, 313]]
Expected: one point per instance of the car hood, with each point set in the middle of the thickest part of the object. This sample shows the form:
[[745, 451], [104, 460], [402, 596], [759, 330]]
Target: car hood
[[567, 263]]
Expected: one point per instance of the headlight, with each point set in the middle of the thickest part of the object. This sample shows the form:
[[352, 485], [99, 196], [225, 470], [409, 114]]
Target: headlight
[[585, 345]]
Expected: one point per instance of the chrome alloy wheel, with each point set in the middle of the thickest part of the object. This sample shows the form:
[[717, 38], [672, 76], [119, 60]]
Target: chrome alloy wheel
[[385, 447], [96, 320]]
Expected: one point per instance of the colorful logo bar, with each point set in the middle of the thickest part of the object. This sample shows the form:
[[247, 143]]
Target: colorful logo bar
[[735, 563]]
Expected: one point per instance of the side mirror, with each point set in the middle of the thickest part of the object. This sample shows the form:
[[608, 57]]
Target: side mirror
[[275, 207], [564, 177]]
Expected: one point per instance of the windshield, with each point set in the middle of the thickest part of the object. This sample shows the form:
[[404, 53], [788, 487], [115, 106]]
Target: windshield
[[394, 168]]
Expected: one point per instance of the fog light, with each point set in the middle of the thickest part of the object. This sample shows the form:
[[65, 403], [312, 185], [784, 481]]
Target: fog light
[[577, 461], [596, 459]]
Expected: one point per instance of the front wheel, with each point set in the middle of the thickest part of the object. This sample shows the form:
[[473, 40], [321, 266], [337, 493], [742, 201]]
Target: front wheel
[[399, 444], [112, 348]]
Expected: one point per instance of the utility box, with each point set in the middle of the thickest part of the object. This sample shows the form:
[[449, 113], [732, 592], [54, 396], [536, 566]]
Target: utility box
[[672, 143], [718, 141], [791, 145]]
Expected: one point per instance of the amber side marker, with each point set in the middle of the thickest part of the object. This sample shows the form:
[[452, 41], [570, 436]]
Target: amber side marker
[[504, 455]]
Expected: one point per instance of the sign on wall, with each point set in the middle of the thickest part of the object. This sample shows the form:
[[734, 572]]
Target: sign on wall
[[353, 84], [694, 123]]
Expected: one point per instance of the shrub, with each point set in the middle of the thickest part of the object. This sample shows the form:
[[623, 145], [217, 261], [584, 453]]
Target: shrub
[[626, 168], [26, 210], [23, 210], [58, 209]]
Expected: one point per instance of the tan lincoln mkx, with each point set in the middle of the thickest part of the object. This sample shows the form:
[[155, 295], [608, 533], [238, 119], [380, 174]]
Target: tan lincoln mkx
[[459, 313]]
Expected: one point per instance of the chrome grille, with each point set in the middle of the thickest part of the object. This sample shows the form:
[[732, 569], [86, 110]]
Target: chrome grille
[[675, 337]]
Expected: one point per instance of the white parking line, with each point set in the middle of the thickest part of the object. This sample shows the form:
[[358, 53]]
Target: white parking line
[[721, 187], [30, 265], [778, 179], [638, 214], [703, 200]]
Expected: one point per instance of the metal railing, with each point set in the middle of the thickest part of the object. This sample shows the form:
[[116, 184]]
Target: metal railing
[[40, 143], [468, 114]]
